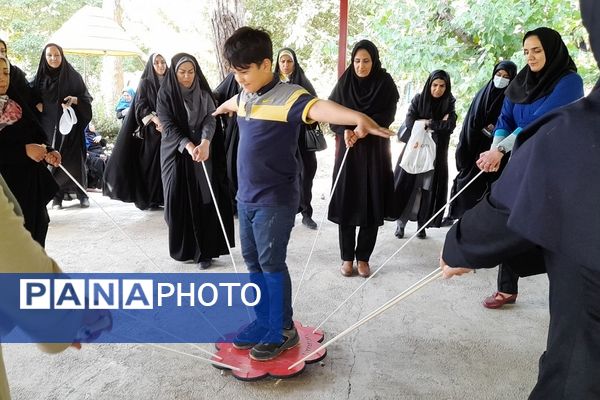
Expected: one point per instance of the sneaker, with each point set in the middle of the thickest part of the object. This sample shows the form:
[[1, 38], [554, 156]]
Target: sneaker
[[266, 350], [309, 223], [84, 202], [249, 336], [57, 204]]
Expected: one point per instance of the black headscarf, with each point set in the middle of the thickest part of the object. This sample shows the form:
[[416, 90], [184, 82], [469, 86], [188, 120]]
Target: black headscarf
[[171, 90], [298, 77], [150, 74], [70, 81], [529, 86], [491, 97], [370, 95], [435, 108]]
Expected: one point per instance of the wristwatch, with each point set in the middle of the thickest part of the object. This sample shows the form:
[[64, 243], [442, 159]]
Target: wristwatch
[[501, 149]]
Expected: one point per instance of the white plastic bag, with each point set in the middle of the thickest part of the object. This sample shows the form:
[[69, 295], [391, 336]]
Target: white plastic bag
[[419, 153], [67, 120]]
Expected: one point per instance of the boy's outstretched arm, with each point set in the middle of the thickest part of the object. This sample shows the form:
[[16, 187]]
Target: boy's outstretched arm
[[333, 113], [228, 107]]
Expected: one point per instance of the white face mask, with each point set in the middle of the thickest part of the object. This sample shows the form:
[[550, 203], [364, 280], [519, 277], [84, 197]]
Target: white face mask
[[500, 82]]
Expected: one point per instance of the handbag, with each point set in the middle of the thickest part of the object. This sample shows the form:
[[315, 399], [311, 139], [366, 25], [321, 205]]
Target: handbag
[[315, 140], [419, 152]]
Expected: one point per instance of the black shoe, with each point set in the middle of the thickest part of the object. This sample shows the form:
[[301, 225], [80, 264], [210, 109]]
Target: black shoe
[[267, 350], [57, 204], [399, 232], [309, 223], [447, 221], [84, 202], [205, 264], [422, 234], [250, 336]]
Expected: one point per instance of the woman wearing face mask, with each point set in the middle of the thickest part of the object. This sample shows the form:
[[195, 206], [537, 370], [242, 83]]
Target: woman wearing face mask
[[288, 70], [60, 86], [363, 196], [133, 171], [190, 136], [23, 150], [419, 196], [547, 82], [476, 137]]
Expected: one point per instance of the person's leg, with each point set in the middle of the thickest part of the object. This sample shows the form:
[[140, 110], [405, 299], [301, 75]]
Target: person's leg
[[309, 169], [252, 333], [400, 225], [347, 238], [507, 288], [272, 227], [367, 236]]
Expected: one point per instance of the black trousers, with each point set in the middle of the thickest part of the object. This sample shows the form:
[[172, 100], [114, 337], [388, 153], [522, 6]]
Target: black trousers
[[362, 249], [309, 169], [508, 281]]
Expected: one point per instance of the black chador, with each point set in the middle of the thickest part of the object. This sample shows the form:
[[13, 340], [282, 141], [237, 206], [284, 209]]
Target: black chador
[[484, 110], [185, 114], [133, 171], [53, 85]]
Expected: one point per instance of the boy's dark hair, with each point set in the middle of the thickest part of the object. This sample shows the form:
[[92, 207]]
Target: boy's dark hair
[[248, 46]]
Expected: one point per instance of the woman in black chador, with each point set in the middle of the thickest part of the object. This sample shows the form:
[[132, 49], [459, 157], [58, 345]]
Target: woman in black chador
[[476, 137], [23, 151], [363, 196], [190, 135], [59, 85], [133, 173], [419, 196], [226, 90], [289, 70]]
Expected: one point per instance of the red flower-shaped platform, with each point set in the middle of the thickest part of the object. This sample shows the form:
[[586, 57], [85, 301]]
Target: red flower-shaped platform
[[250, 370]]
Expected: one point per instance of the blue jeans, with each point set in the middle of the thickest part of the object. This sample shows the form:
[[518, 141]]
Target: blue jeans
[[264, 236]]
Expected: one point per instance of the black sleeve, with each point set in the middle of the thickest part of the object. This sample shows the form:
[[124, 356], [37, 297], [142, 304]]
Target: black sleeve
[[411, 116], [481, 239], [448, 125]]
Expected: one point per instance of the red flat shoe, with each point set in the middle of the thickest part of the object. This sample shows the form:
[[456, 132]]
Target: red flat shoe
[[494, 302]]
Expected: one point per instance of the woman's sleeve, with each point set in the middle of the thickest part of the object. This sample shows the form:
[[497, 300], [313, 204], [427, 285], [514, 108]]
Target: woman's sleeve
[[144, 111], [448, 125], [170, 131], [411, 116], [567, 90]]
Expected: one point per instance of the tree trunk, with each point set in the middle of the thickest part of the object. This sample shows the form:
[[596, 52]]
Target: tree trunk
[[112, 67], [227, 16]]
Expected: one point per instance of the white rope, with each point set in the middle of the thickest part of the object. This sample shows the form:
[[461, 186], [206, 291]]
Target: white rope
[[214, 199], [180, 340], [320, 225], [429, 278], [397, 251], [134, 243], [111, 218]]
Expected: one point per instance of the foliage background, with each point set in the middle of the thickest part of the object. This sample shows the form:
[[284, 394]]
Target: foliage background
[[464, 37]]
